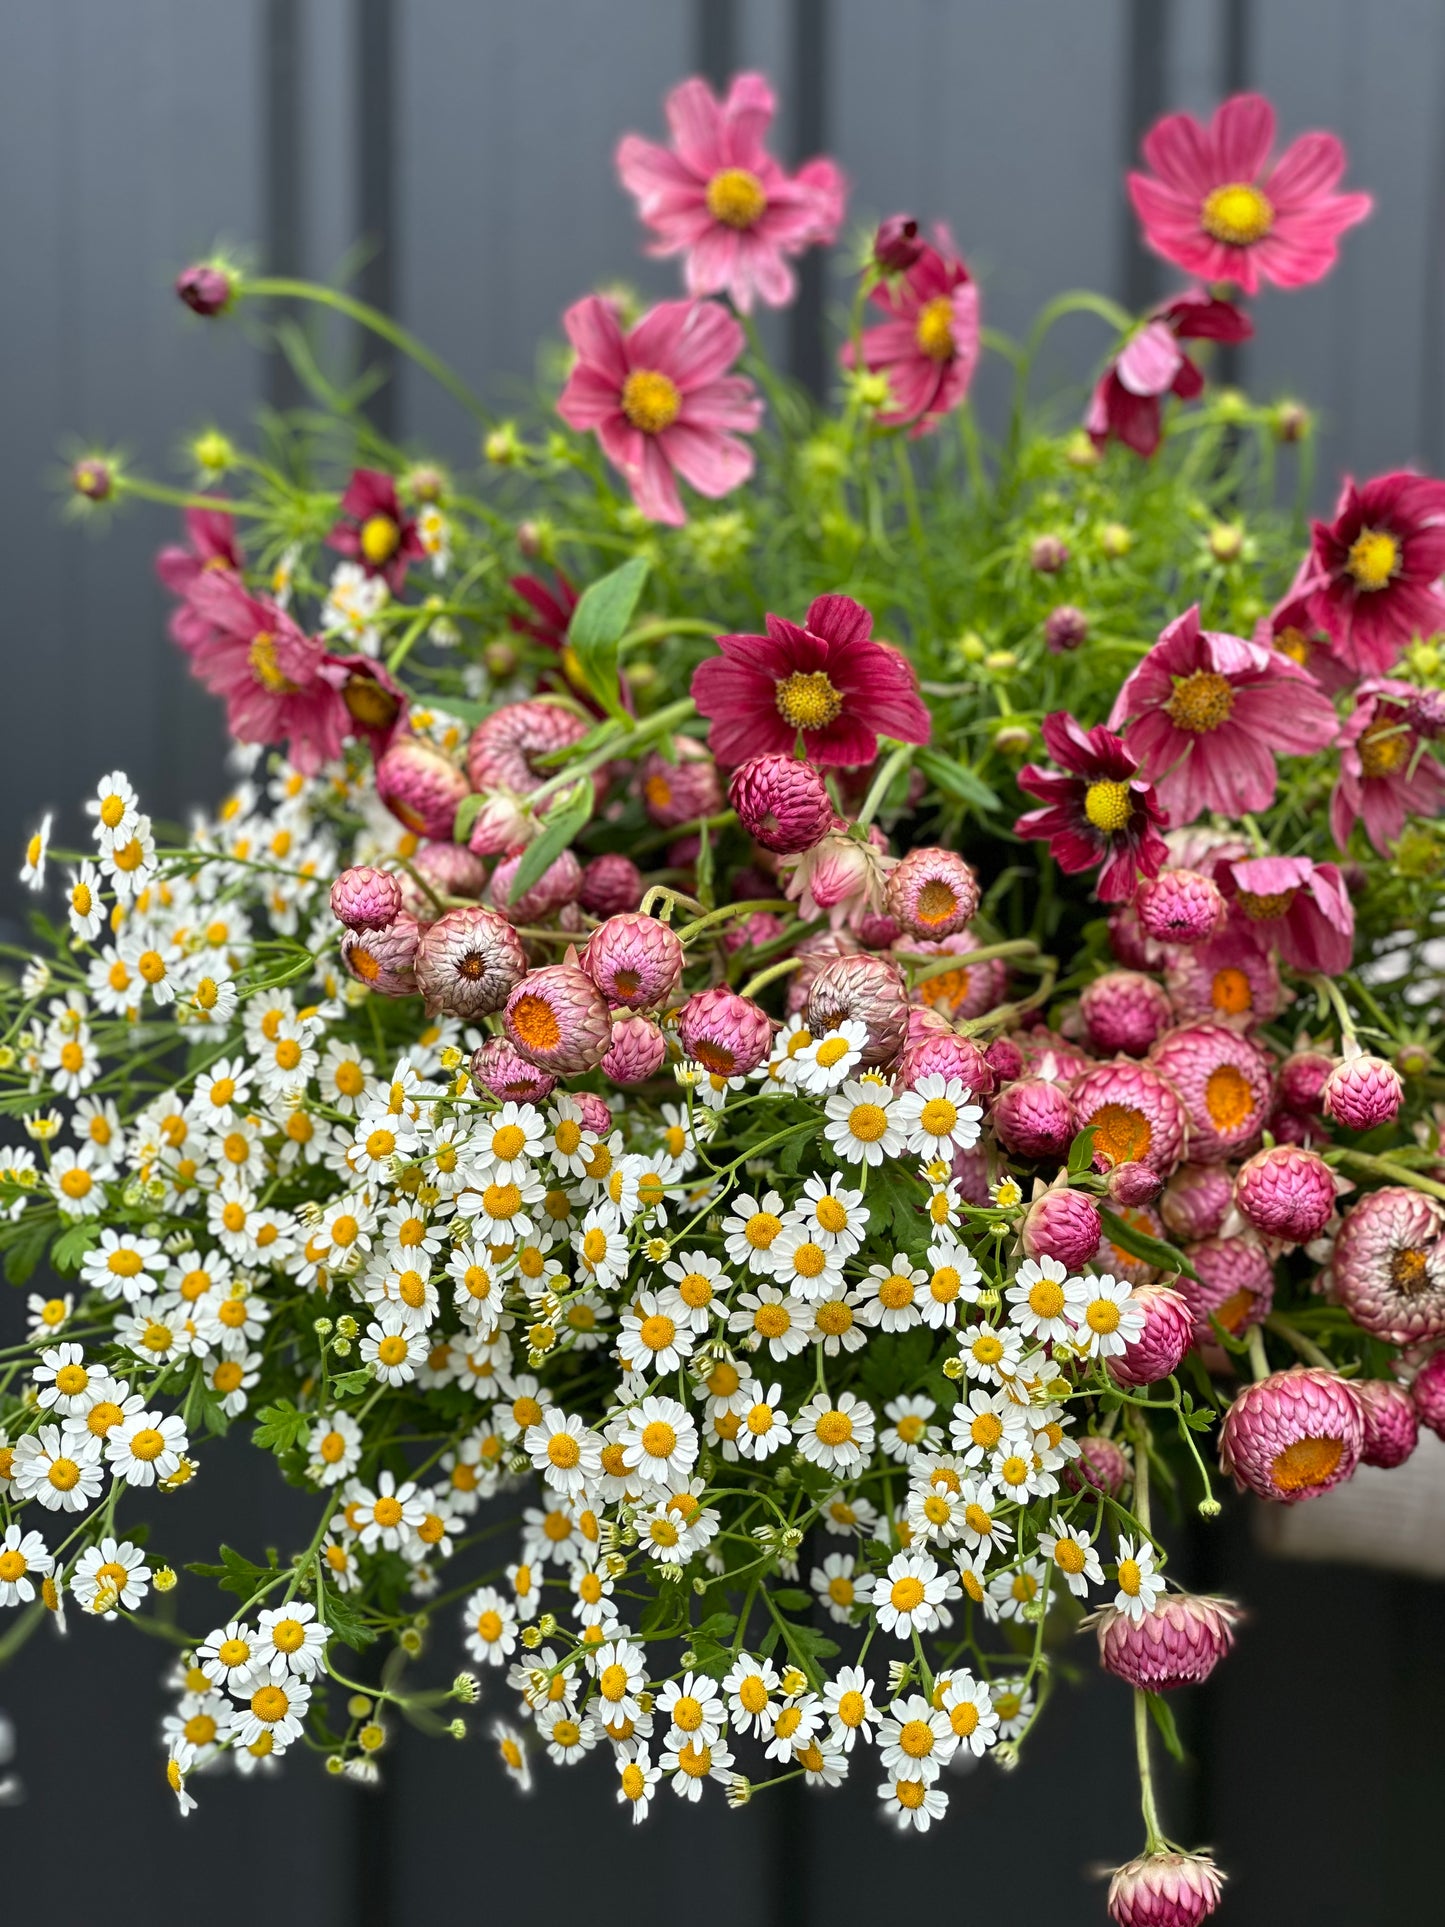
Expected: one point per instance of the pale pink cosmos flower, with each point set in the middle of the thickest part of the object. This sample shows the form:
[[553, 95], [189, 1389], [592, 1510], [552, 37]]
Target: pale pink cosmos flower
[[1220, 206], [1299, 907], [660, 399], [718, 197], [1206, 713]]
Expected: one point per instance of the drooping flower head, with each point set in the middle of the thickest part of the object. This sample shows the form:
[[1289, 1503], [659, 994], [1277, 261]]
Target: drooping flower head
[[928, 346], [827, 681], [1388, 1265], [717, 196], [1223, 1079], [1286, 1192], [1127, 402], [420, 787], [1293, 1435], [1206, 714], [364, 898], [497, 1068], [868, 990], [635, 961], [1178, 1642], [729, 1035], [374, 529], [1102, 811], [468, 963], [1299, 908], [1181, 906], [1376, 568], [1385, 773], [384, 960], [1165, 1889], [1392, 1428], [1124, 1011], [1158, 1349], [660, 399], [1220, 206]]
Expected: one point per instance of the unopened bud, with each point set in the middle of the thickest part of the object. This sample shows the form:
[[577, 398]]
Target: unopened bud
[[206, 287]]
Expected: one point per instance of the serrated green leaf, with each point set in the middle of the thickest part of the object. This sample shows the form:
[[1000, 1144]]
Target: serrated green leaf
[[1163, 1716], [29, 1248], [598, 625], [237, 1574], [351, 1382], [956, 778], [792, 1599], [343, 1620], [568, 816], [1139, 1244], [71, 1246], [280, 1427]]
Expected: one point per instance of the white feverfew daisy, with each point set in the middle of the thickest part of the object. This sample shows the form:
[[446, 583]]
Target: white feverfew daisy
[[231, 1377], [1018, 1588], [982, 1528], [620, 1670], [693, 1708], [110, 1576], [913, 1805], [990, 1354], [938, 1117], [564, 1451], [803, 1264], [491, 1620], [764, 1427], [752, 1228], [770, 1317], [751, 1685], [24, 1560], [566, 1737], [333, 1448], [290, 1639], [862, 1127], [59, 1468], [908, 1597], [836, 1434], [954, 1280], [32, 870], [835, 1321], [830, 1060], [84, 904], [915, 1741], [690, 1762], [1110, 1318], [567, 1141], [836, 1586], [1045, 1303], [910, 1429], [274, 1709], [1014, 1704], [1140, 1586], [146, 1447], [115, 806], [695, 1294], [983, 1422], [1072, 1551], [637, 1778], [601, 1246], [832, 1214], [68, 1386], [892, 1294], [970, 1712], [344, 1076], [848, 1703], [651, 1338], [393, 1347], [75, 1183], [660, 1441], [507, 1143]]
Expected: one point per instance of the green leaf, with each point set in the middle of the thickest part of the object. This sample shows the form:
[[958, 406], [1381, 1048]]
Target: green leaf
[[1139, 1244], [71, 1246], [27, 1251], [956, 778], [351, 1382], [280, 1427], [568, 816], [598, 624], [1081, 1152], [792, 1599], [237, 1574], [1163, 1716], [343, 1620], [468, 810]]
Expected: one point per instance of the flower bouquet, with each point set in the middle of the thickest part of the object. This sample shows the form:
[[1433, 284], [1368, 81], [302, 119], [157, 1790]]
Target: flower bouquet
[[749, 1098]]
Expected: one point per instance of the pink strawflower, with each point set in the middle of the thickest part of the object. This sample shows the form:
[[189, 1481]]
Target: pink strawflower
[[1047, 1054], [1301, 909], [661, 400], [1207, 713], [1133, 1184], [1177, 1643], [682, 789], [928, 346], [1102, 811], [375, 531], [1302, 1079], [841, 877], [1362, 1091], [1228, 979], [1004, 1059], [420, 787], [966, 992], [1234, 1284], [1136, 1114], [1124, 1011], [782, 802], [638, 1050], [596, 1112], [365, 899], [1392, 1428], [1293, 1435], [1224, 1081], [1375, 576], [1165, 1889], [384, 960], [1159, 1349], [1142, 1218], [451, 870], [558, 885], [1427, 1394], [1386, 774], [1102, 1465], [816, 954], [1286, 1193], [941, 1053], [277, 681], [468, 962], [1388, 1265], [727, 1034], [558, 1019], [506, 749], [1220, 206], [923, 1023], [1181, 906], [610, 885], [1063, 1224], [871, 991], [827, 682], [1127, 403], [497, 1068], [932, 893], [718, 197], [635, 961], [1033, 1118], [762, 927]]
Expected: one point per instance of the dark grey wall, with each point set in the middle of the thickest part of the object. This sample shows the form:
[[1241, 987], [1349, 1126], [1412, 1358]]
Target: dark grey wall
[[470, 141]]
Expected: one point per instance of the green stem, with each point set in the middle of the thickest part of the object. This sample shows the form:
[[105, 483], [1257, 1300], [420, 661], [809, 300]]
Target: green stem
[[1306, 1347], [181, 498], [898, 760], [771, 975], [1384, 1168], [727, 911], [1154, 1835], [1258, 1357], [964, 959]]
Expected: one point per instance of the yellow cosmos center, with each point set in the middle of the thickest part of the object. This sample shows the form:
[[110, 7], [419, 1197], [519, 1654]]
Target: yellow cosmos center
[[650, 400], [1383, 748], [264, 667], [1108, 806], [1201, 703], [380, 539], [808, 700], [1373, 559], [933, 331], [1236, 214], [736, 198]]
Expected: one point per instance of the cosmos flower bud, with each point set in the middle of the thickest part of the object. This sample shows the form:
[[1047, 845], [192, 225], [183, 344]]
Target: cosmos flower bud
[[1033, 1118], [870, 990], [782, 802], [635, 961], [610, 885], [932, 893], [727, 1034], [1065, 628], [558, 1019], [1178, 1643], [1392, 1429], [384, 960], [502, 823], [1125, 1011], [497, 1068], [1167, 1335], [468, 962], [896, 245], [1286, 1193], [1165, 1890], [1063, 1224], [365, 899], [93, 478], [1362, 1091], [1293, 1435], [420, 787], [1181, 906], [206, 287], [638, 1050], [1047, 555]]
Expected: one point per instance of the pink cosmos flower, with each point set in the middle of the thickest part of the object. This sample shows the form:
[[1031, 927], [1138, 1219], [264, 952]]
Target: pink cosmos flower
[[275, 679], [1222, 208], [1376, 568], [1206, 713], [1301, 909], [718, 197], [1294, 627], [375, 531], [210, 545], [1102, 811], [827, 681], [1127, 403], [928, 346], [660, 399], [1385, 772]]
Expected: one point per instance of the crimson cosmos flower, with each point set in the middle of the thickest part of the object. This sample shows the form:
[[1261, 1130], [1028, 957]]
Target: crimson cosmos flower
[[1376, 568], [375, 531], [1386, 774], [826, 681], [928, 346], [1102, 811], [1128, 401]]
